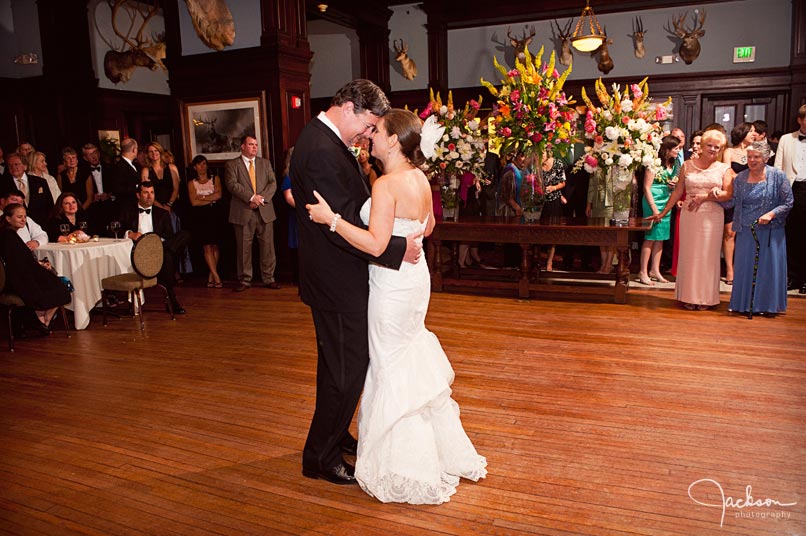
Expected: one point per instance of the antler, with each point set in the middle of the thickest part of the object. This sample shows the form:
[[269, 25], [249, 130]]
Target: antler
[[679, 31], [638, 26]]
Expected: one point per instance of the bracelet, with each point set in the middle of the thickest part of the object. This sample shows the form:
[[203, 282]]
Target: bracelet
[[169, 204], [336, 218]]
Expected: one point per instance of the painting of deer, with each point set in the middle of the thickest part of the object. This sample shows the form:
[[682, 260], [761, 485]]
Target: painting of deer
[[638, 33], [690, 38], [213, 22], [564, 37], [520, 44], [605, 63], [406, 63], [121, 61]]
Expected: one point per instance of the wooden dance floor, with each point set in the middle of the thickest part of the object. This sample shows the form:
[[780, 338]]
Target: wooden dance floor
[[595, 419]]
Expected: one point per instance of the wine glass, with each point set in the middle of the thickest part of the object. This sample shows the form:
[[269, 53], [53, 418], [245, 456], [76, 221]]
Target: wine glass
[[114, 227], [83, 226], [65, 229]]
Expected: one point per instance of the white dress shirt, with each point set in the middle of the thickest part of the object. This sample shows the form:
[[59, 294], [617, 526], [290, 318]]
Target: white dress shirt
[[33, 231], [146, 224], [800, 157], [99, 182]]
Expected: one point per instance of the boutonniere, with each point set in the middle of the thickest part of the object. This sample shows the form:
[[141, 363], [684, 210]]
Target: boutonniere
[[355, 150]]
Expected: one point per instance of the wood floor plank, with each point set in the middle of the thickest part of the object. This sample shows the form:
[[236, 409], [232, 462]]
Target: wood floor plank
[[594, 417]]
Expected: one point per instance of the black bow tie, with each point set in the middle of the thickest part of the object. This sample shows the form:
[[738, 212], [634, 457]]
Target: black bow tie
[[95, 168], [801, 137], [146, 210]]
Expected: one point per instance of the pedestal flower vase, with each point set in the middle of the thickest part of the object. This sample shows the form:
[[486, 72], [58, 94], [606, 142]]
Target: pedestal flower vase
[[449, 193], [621, 180], [532, 192]]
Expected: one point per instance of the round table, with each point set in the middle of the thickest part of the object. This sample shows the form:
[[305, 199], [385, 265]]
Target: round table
[[86, 265]]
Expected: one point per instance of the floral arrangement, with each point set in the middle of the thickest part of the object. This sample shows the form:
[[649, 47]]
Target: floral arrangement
[[463, 145], [625, 129], [532, 113]]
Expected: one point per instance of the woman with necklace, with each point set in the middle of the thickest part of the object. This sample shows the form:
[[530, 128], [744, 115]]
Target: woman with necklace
[[701, 224], [75, 180], [762, 197], [741, 137]]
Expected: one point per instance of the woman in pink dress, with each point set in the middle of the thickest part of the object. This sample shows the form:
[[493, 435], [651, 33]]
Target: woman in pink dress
[[701, 225]]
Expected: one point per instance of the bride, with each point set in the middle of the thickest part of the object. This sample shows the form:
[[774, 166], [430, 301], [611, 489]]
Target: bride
[[411, 444]]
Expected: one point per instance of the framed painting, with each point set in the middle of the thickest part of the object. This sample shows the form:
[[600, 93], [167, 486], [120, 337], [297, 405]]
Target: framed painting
[[214, 128]]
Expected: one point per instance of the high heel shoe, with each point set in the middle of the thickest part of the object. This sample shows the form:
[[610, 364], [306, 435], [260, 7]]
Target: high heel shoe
[[659, 278], [644, 279]]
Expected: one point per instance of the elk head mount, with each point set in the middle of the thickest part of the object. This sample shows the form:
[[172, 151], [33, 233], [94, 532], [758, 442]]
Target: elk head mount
[[121, 61], [520, 44], [406, 63], [689, 39], [564, 37], [605, 63], [213, 22], [638, 33]]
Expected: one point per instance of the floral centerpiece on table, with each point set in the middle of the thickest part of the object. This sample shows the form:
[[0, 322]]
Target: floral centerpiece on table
[[626, 133], [533, 115]]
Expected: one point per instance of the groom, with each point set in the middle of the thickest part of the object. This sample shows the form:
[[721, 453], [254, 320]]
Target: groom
[[334, 275]]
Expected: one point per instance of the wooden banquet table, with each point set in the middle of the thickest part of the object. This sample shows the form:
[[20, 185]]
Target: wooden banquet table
[[558, 231], [86, 265]]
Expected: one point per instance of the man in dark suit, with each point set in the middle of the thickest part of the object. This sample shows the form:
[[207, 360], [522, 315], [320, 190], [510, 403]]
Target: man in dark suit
[[334, 279], [102, 209], [146, 218], [251, 182], [124, 175], [36, 189]]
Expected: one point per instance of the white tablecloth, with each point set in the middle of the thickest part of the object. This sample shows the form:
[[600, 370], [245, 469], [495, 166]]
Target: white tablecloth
[[86, 265]]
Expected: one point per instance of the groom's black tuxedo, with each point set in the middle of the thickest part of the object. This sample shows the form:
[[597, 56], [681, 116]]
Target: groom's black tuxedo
[[334, 282]]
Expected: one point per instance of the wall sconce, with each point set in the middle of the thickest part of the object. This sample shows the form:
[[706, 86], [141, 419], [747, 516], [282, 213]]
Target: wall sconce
[[591, 41], [322, 7]]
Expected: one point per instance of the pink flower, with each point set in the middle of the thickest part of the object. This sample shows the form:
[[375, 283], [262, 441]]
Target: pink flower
[[474, 104], [513, 73], [515, 96], [506, 131], [536, 137], [443, 165], [625, 119], [555, 75], [598, 140], [451, 146], [425, 113], [591, 161], [660, 113]]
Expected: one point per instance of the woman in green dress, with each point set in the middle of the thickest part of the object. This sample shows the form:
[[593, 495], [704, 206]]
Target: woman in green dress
[[657, 188]]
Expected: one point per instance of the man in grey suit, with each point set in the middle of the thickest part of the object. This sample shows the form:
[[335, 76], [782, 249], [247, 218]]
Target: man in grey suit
[[251, 182]]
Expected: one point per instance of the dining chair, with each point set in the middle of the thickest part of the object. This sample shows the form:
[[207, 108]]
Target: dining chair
[[9, 300], [146, 259]]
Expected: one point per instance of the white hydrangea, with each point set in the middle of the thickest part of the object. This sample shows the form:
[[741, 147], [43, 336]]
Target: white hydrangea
[[612, 133], [626, 105], [625, 160]]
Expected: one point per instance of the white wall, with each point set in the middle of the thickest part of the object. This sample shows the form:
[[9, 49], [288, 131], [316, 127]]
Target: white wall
[[336, 58], [408, 23], [765, 24]]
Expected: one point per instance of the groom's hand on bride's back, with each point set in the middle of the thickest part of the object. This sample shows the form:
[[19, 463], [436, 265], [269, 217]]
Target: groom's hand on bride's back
[[414, 247]]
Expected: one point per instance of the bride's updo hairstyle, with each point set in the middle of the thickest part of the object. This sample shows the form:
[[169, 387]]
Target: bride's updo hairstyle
[[407, 127]]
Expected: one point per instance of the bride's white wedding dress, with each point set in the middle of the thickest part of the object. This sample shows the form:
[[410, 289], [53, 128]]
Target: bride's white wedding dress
[[411, 444]]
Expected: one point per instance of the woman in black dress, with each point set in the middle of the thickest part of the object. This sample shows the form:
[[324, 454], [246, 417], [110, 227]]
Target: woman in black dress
[[39, 288], [553, 182], [66, 212], [76, 180], [204, 192]]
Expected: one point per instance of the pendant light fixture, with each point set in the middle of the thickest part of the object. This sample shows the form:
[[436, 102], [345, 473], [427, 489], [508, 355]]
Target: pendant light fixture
[[591, 41]]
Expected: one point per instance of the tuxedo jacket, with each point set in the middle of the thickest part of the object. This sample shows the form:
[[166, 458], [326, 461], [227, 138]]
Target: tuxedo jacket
[[786, 155], [130, 220], [236, 177], [123, 183], [38, 200], [333, 274], [106, 175]]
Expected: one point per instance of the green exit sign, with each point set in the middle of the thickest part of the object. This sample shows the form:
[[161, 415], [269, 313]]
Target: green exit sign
[[744, 54]]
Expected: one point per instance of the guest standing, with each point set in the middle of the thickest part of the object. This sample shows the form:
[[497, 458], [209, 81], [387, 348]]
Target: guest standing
[[204, 192], [125, 176], [163, 175], [251, 182], [701, 224], [293, 232], [762, 197], [657, 189], [791, 158], [553, 182]]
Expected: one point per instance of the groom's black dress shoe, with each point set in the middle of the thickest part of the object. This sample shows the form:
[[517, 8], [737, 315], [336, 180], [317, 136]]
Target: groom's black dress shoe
[[349, 446], [343, 473]]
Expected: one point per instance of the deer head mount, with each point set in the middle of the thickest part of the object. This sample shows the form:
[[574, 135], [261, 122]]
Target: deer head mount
[[138, 51], [638, 33], [213, 22], [406, 63], [520, 44], [564, 37], [689, 39], [605, 63]]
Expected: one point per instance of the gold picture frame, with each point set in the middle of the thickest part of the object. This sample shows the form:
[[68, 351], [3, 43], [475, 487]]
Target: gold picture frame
[[214, 128]]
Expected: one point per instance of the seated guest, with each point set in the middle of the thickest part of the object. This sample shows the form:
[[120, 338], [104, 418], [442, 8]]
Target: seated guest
[[32, 234], [35, 189], [68, 220], [39, 288], [147, 218], [762, 197], [76, 180]]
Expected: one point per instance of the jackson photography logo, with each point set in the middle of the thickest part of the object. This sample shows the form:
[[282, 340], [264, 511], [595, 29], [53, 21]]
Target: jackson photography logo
[[707, 487]]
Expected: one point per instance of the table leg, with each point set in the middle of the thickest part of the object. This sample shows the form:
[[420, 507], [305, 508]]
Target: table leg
[[455, 260], [622, 274], [523, 283], [436, 269]]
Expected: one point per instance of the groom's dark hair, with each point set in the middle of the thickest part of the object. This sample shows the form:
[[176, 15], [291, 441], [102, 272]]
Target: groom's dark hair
[[364, 95]]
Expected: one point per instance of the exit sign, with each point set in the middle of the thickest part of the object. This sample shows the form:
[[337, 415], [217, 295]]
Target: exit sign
[[744, 54]]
